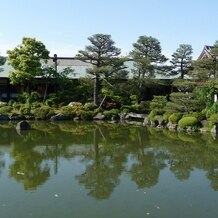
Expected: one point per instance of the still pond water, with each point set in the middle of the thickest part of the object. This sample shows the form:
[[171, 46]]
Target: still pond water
[[89, 170]]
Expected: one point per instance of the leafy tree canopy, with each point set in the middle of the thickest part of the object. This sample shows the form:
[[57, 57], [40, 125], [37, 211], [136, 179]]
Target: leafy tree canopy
[[26, 60]]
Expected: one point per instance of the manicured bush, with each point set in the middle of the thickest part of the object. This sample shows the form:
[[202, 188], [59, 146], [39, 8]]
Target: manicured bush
[[152, 115], [25, 109], [89, 106], [43, 113], [166, 116], [76, 107], [144, 107], [199, 115], [68, 111], [213, 119], [186, 122], [87, 115], [158, 103], [113, 113], [212, 110], [175, 117], [5, 110]]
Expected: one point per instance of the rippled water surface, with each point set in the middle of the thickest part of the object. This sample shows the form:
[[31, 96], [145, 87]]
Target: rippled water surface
[[89, 170]]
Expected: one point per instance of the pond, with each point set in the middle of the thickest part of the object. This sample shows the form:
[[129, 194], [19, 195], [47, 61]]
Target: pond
[[90, 170]]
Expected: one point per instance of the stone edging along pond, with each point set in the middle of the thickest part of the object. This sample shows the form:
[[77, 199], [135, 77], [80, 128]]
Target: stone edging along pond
[[123, 117]]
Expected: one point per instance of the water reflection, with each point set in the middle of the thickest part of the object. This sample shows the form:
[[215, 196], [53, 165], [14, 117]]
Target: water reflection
[[107, 151]]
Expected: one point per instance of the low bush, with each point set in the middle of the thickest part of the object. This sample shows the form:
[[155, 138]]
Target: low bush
[[113, 113], [199, 115], [43, 113], [87, 115], [76, 107], [5, 110], [186, 122], [152, 115], [166, 116], [175, 117], [68, 111], [213, 119], [89, 107]]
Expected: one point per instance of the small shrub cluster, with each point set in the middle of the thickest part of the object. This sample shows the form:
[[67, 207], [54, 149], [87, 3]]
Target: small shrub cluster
[[175, 117], [113, 113], [186, 122], [43, 113]]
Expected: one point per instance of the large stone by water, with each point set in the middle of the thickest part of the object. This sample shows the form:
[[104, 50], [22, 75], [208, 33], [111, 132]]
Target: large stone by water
[[215, 129], [3, 117], [59, 117], [23, 125]]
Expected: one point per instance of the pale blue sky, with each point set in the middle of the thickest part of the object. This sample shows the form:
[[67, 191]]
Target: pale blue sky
[[64, 25]]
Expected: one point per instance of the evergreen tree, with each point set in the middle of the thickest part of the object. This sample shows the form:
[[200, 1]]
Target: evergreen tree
[[147, 57], [104, 57], [181, 60]]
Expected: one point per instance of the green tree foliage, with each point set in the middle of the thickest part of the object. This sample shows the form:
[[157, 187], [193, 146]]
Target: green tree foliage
[[147, 57], [181, 60], [204, 69], [26, 61], [2, 61], [158, 104], [182, 102], [104, 57], [184, 85]]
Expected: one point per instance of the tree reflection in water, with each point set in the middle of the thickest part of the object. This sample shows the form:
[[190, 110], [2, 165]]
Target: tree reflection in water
[[111, 150]]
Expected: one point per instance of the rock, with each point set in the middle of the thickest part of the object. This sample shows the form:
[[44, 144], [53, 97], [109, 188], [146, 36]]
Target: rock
[[59, 117], [16, 117], [99, 116], [23, 125], [135, 116], [4, 117], [171, 126], [204, 123], [215, 129]]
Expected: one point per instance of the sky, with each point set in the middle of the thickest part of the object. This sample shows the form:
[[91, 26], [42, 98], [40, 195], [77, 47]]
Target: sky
[[64, 25]]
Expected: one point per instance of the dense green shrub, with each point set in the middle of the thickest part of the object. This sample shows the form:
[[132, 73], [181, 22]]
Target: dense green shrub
[[186, 122], [152, 115], [166, 116], [89, 107], [25, 109], [199, 115], [5, 110], [213, 119], [52, 100], [87, 115], [158, 104], [144, 107], [43, 113], [68, 111], [175, 117], [76, 107], [130, 108], [113, 113], [212, 109]]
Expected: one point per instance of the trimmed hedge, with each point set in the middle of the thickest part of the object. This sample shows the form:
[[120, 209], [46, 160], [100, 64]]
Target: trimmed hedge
[[175, 117], [186, 122]]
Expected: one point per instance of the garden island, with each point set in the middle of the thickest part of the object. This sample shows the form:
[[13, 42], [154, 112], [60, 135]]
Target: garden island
[[99, 83]]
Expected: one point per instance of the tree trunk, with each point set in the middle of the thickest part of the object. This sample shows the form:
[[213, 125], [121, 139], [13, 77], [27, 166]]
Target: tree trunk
[[96, 89], [45, 92], [182, 72]]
